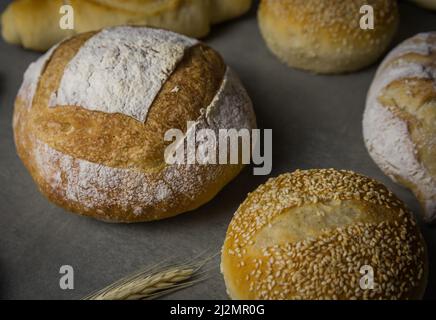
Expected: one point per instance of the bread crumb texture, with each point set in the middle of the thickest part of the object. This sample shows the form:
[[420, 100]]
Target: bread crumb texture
[[306, 235]]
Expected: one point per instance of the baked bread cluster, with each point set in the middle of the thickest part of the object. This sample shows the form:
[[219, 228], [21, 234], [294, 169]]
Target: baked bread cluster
[[399, 124], [310, 234], [91, 116], [326, 36], [35, 24]]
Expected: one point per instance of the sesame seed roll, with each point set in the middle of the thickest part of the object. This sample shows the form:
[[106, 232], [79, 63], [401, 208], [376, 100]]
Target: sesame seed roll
[[321, 234]]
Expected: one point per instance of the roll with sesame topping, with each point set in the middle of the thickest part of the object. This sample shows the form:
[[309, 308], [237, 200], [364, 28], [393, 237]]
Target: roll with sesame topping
[[327, 36], [323, 234]]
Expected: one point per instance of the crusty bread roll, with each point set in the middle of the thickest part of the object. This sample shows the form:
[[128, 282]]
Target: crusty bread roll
[[91, 116], [428, 4], [399, 124], [310, 234], [35, 24], [325, 36]]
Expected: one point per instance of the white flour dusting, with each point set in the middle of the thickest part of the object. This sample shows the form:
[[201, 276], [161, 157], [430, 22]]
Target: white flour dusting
[[96, 186], [121, 70], [31, 77], [387, 137], [231, 108], [419, 44]]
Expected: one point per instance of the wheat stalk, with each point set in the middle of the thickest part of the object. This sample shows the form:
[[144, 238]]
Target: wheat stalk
[[153, 282]]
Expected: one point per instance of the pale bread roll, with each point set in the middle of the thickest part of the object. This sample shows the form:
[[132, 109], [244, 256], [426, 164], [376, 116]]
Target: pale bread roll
[[399, 124], [308, 235], [35, 24], [91, 116], [326, 36]]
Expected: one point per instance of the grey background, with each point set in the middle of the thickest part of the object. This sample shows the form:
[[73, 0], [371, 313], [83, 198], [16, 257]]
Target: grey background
[[316, 122]]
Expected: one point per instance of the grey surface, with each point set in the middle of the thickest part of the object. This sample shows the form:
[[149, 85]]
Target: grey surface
[[316, 122]]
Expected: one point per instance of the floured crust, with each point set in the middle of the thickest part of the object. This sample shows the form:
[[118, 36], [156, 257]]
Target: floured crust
[[31, 77], [198, 77], [306, 235], [144, 60], [325, 36], [400, 118], [111, 166]]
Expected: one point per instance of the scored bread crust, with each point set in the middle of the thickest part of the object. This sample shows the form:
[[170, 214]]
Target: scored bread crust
[[111, 166], [400, 118], [35, 24], [325, 36], [306, 235]]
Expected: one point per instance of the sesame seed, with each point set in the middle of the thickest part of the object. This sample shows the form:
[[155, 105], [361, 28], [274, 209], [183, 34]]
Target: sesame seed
[[327, 266]]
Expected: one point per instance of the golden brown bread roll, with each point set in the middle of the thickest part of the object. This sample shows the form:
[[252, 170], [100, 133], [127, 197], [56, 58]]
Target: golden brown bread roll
[[307, 235], [35, 24], [91, 116], [399, 124], [325, 36]]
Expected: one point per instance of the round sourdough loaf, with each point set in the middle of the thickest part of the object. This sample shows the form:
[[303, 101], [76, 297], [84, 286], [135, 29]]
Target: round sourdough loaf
[[399, 124], [91, 116], [326, 36], [324, 234]]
